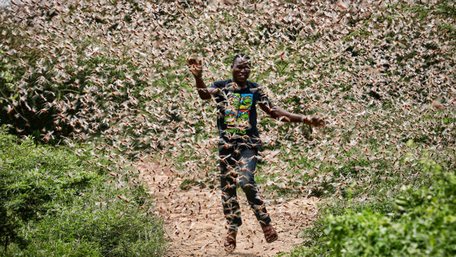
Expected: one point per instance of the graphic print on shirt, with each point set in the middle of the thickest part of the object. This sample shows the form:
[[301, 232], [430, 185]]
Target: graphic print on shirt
[[237, 112]]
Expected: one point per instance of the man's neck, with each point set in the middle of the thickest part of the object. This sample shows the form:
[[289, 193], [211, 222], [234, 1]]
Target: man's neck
[[242, 85]]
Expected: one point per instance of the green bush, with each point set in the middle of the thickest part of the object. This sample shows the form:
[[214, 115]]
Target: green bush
[[419, 223], [59, 203]]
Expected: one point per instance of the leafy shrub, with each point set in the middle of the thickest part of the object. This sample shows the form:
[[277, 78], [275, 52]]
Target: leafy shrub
[[56, 202], [420, 223]]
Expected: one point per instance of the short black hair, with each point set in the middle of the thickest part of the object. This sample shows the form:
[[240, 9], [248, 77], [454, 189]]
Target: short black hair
[[241, 55]]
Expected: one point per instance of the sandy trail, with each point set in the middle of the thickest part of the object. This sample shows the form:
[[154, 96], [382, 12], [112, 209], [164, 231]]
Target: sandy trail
[[195, 225]]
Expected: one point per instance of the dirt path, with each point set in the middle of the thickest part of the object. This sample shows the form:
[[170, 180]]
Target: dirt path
[[195, 225]]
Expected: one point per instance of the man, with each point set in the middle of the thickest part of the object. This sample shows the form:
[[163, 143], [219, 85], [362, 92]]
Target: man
[[239, 140]]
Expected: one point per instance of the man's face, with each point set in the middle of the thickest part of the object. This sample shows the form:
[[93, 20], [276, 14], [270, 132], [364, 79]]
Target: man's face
[[241, 69]]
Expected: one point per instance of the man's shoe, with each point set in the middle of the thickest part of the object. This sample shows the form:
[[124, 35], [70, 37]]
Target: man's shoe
[[230, 241], [270, 234]]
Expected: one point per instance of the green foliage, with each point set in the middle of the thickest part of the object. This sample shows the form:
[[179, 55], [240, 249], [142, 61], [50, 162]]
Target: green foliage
[[59, 203], [421, 222]]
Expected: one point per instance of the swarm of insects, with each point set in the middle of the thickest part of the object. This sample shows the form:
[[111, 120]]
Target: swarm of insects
[[117, 70]]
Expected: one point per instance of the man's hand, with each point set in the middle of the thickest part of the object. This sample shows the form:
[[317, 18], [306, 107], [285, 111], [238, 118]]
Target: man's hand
[[317, 122], [313, 121], [196, 66]]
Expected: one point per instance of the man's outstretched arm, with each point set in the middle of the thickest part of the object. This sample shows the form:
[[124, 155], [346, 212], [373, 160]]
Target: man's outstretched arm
[[196, 68], [283, 115]]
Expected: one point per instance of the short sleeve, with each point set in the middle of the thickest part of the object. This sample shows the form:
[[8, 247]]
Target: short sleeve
[[214, 85], [263, 98], [218, 85]]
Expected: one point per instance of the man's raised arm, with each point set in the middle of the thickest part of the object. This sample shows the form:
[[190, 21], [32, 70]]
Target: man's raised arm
[[196, 68]]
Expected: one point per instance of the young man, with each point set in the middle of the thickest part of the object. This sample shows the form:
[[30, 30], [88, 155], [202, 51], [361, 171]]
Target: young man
[[239, 140]]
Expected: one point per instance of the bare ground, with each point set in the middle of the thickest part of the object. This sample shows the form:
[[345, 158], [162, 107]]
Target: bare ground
[[195, 225]]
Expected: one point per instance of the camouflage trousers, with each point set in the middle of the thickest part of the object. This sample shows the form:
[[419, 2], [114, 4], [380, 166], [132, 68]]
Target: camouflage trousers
[[237, 167]]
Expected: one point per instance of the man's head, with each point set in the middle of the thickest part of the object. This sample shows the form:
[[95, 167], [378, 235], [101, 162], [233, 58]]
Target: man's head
[[241, 68]]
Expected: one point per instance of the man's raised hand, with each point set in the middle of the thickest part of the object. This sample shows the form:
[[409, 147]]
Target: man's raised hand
[[196, 66]]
